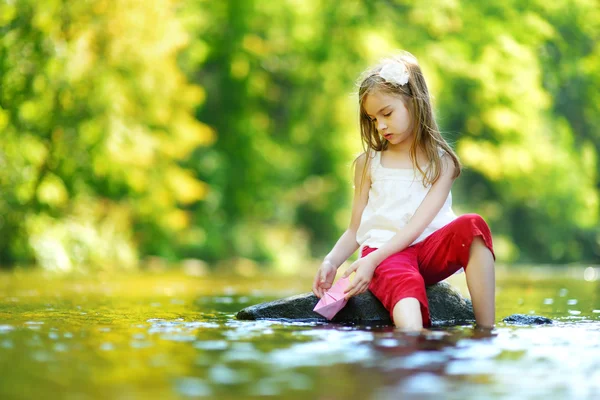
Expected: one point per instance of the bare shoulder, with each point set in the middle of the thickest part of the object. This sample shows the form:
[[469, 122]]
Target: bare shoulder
[[362, 177], [362, 161], [448, 165]]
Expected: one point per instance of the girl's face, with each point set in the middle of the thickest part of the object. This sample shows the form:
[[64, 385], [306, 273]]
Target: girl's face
[[391, 118]]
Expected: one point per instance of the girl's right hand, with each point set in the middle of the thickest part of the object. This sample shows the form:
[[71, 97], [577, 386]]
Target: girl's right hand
[[324, 278]]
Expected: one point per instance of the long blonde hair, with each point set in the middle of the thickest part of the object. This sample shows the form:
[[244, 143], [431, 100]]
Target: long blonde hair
[[416, 97]]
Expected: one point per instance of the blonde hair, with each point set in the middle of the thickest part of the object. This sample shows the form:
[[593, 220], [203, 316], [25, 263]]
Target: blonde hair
[[416, 97]]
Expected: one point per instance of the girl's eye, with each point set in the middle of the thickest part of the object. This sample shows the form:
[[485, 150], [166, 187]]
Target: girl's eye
[[388, 114]]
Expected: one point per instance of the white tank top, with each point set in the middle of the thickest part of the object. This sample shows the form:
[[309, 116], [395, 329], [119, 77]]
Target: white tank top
[[394, 196]]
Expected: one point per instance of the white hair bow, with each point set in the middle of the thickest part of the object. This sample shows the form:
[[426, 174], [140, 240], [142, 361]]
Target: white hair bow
[[395, 72]]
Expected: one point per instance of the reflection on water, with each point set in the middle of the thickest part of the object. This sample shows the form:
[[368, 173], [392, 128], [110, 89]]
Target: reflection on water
[[171, 336]]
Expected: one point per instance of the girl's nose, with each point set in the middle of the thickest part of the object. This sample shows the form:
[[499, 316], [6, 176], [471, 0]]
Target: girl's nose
[[381, 126]]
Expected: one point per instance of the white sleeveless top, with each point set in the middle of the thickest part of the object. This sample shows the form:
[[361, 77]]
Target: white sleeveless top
[[394, 196]]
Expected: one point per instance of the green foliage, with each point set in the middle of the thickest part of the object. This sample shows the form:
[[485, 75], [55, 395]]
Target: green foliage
[[95, 116], [103, 158], [279, 79]]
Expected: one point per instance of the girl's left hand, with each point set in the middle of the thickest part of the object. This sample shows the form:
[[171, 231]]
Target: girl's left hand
[[365, 268]]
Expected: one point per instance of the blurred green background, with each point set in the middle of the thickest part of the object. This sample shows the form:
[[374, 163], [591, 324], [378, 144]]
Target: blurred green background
[[222, 132]]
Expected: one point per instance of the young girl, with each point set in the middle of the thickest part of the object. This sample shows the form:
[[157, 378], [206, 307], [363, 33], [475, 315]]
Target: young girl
[[402, 216]]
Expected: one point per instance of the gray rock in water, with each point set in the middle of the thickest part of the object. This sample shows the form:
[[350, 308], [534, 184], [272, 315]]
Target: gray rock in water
[[522, 319], [446, 307]]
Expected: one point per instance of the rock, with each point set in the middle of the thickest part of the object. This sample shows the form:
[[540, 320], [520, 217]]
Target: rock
[[446, 307], [522, 319]]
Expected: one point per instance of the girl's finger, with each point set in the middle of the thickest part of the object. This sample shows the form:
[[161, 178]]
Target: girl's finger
[[349, 271], [350, 287], [361, 289], [352, 292], [358, 290], [317, 287], [349, 295], [316, 280]]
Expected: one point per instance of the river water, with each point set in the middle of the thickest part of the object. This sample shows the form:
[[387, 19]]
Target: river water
[[167, 335]]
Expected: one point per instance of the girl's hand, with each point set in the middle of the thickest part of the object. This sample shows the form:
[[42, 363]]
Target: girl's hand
[[365, 268], [324, 278]]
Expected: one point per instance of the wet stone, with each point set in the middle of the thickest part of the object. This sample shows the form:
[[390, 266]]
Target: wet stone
[[522, 319], [446, 307]]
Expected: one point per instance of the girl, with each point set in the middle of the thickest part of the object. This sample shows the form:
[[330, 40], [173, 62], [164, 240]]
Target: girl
[[402, 216]]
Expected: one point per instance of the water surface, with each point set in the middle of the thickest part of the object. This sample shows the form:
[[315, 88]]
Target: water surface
[[172, 336]]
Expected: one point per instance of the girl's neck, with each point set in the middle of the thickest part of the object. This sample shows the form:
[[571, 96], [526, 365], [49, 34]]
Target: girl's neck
[[399, 157], [398, 149]]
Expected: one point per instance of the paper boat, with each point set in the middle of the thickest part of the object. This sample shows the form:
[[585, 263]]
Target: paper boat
[[333, 300]]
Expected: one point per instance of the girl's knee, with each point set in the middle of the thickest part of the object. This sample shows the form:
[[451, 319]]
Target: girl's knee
[[407, 314], [479, 245], [473, 232], [478, 242]]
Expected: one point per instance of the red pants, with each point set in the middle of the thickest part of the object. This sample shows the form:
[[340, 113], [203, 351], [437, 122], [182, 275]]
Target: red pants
[[441, 254]]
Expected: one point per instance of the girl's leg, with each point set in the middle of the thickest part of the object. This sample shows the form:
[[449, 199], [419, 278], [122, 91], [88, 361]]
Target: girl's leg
[[407, 314], [481, 281], [465, 242], [399, 286]]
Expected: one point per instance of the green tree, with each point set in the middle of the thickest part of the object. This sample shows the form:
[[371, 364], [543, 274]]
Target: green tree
[[95, 116], [278, 78]]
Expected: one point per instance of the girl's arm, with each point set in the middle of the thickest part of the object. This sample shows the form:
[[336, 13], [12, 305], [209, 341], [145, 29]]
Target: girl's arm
[[346, 245], [426, 212]]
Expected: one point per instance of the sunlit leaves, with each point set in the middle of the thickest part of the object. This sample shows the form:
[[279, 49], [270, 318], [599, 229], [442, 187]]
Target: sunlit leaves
[[97, 109], [95, 113]]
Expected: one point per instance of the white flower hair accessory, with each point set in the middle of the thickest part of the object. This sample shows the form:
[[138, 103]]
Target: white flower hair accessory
[[394, 72]]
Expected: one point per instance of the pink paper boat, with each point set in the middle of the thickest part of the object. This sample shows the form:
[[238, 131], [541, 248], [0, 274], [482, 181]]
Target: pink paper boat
[[333, 300]]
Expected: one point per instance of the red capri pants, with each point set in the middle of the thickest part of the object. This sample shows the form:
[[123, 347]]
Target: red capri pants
[[441, 254]]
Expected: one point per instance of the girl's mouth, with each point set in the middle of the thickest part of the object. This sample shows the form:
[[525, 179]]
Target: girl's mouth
[[387, 136]]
